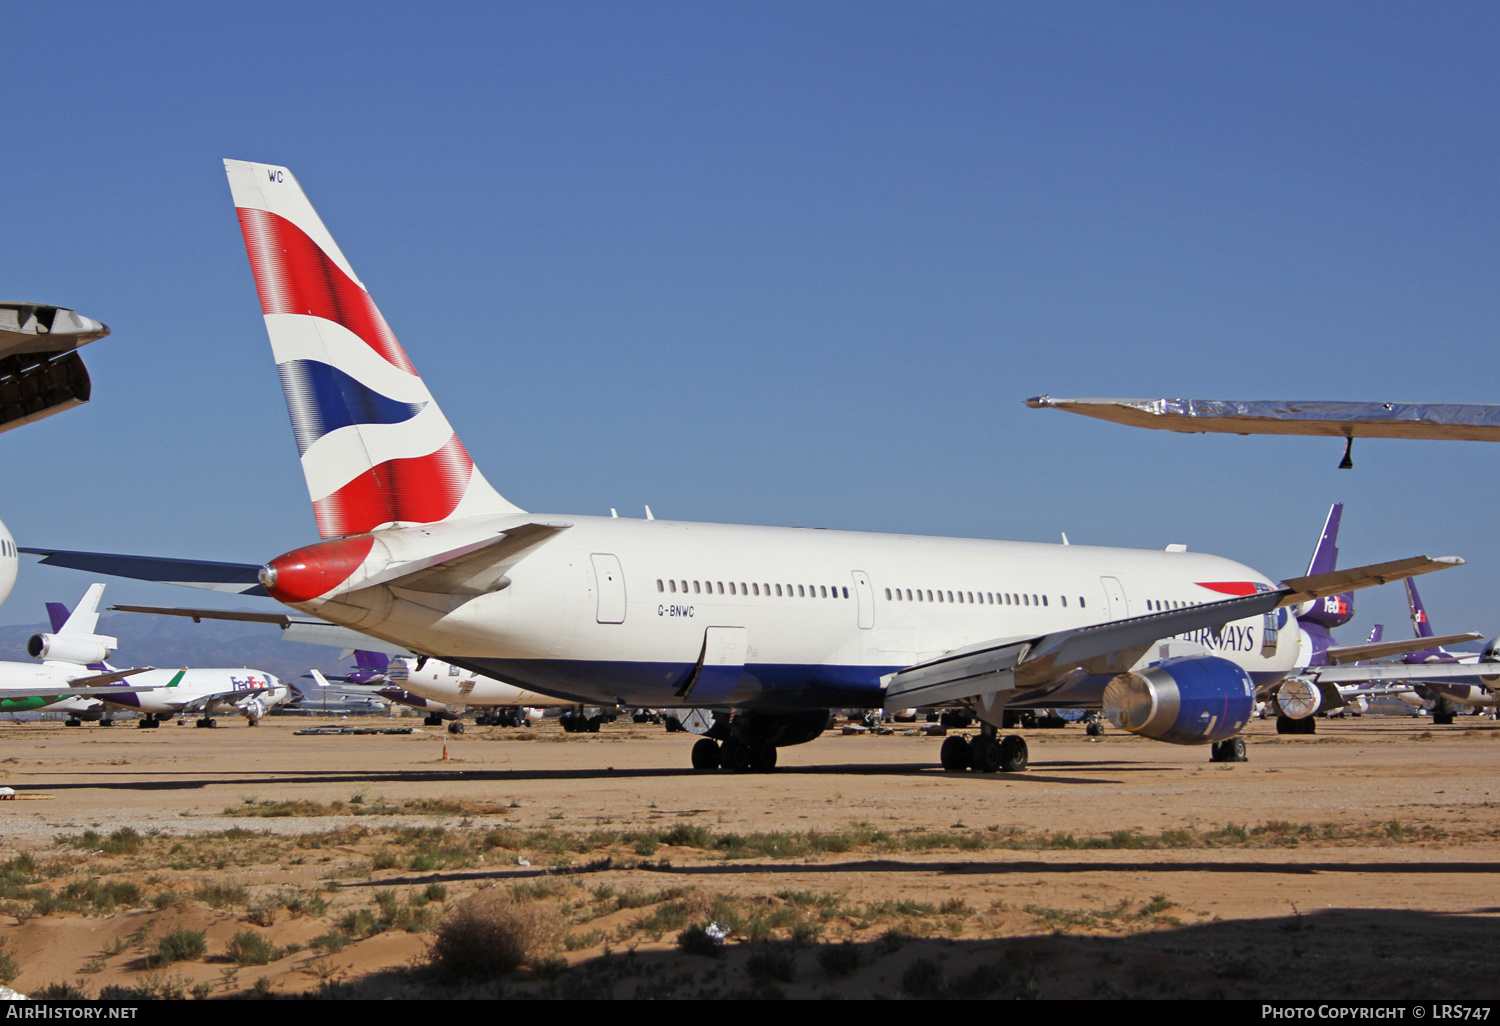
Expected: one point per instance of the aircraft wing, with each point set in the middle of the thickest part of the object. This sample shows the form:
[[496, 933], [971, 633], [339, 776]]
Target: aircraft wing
[[204, 702], [1381, 649], [234, 578], [1008, 664], [1417, 672], [100, 680], [41, 372], [1462, 421]]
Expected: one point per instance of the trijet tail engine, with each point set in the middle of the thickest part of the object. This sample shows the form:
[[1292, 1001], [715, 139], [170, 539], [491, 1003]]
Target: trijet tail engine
[[83, 649], [1193, 700]]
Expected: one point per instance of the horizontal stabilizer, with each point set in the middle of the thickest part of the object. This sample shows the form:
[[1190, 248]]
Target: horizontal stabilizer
[[1473, 422], [1379, 650], [470, 569], [235, 578], [302, 630]]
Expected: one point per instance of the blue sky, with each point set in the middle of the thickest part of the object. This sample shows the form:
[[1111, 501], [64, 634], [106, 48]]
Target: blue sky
[[780, 263]]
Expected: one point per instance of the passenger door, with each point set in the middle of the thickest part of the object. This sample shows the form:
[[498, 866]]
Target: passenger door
[[866, 596], [609, 579]]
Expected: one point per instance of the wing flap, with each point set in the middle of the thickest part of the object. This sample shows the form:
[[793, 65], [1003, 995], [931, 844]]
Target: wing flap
[[473, 569]]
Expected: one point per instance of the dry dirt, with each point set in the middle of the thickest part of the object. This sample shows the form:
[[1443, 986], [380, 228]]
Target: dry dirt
[[1377, 877]]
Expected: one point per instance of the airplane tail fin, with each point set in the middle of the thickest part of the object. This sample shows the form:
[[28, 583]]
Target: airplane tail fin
[[83, 619], [371, 660], [1419, 619], [1376, 633], [1335, 610], [57, 614], [376, 449]]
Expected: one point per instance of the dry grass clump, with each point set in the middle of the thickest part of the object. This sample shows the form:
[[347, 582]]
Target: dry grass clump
[[491, 934]]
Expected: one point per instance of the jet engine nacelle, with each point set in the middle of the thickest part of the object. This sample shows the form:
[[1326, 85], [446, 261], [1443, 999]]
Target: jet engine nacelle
[[82, 649], [253, 709], [1298, 699], [1193, 700]]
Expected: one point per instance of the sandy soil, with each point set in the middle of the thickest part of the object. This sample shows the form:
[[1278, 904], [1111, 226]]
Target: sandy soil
[[1294, 919]]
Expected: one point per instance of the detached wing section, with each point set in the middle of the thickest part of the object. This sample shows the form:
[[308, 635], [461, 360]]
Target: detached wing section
[[234, 578], [1113, 647], [1454, 421]]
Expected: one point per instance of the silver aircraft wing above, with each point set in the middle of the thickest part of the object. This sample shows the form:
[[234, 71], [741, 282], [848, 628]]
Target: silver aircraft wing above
[[235, 578], [1008, 664], [41, 372], [1473, 422]]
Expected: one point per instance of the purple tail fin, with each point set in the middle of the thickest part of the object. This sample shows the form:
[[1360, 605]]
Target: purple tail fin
[[371, 660], [1419, 619], [58, 614], [1376, 633], [1335, 610], [1325, 557]]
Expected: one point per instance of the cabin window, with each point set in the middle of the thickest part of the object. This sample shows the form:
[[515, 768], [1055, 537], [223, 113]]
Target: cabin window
[[1064, 601], [684, 587], [846, 593], [742, 589], [721, 587], [919, 594], [754, 589], [778, 591], [695, 588], [673, 586], [1044, 600], [660, 586], [800, 593], [1025, 600], [1081, 603], [731, 587], [887, 594]]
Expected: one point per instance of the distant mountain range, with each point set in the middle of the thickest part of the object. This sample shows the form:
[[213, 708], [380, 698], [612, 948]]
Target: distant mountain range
[[167, 641]]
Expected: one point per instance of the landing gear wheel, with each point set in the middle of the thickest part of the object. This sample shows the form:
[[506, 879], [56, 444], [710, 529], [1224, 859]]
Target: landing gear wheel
[[762, 758], [71, 722], [456, 727], [592, 726], [984, 753], [106, 722], [201, 722], [705, 754], [146, 722], [1013, 754], [1094, 729], [954, 754], [1232, 750], [735, 755], [211, 723]]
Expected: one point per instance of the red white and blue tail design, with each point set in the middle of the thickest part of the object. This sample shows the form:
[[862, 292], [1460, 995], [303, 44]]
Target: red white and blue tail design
[[376, 449]]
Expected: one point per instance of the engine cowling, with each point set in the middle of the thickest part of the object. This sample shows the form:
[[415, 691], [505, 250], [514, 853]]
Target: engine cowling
[[82, 649], [1298, 699], [1193, 700]]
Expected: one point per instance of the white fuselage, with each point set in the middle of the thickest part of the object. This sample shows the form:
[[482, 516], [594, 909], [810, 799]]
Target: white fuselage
[[616, 611], [457, 688], [249, 692]]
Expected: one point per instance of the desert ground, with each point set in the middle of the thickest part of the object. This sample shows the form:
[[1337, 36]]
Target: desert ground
[[1360, 862]]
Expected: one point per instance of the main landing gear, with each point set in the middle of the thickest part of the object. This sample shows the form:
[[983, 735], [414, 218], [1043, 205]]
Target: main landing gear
[[733, 754], [208, 722], [147, 722], [1232, 750], [985, 753]]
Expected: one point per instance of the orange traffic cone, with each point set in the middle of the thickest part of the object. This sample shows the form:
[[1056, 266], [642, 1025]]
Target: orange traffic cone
[[445, 751]]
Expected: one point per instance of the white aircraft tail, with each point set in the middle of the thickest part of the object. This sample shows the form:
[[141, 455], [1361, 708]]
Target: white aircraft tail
[[85, 618], [376, 449]]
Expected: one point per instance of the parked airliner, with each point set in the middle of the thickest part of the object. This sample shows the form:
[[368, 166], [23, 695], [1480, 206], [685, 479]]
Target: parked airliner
[[767, 627]]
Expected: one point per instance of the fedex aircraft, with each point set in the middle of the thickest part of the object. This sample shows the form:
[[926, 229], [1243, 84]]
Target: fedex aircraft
[[447, 691], [766, 627], [1444, 696], [72, 672]]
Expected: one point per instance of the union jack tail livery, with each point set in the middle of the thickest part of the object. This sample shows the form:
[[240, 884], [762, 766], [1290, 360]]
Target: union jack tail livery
[[376, 449]]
